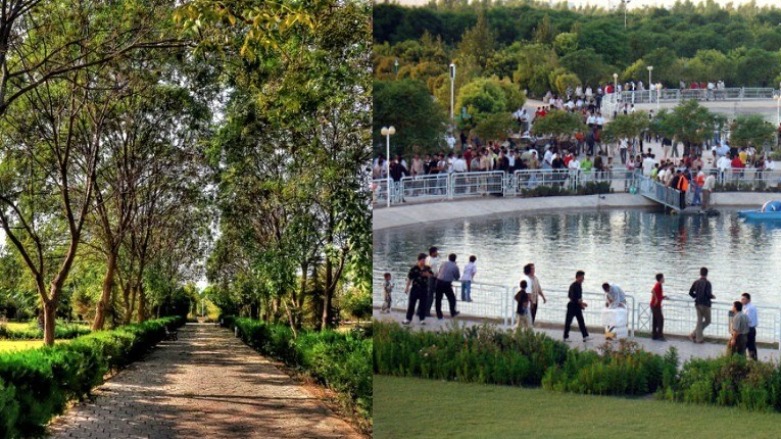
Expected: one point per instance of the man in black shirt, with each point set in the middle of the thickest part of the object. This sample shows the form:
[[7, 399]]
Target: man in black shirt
[[418, 278], [575, 307], [702, 292]]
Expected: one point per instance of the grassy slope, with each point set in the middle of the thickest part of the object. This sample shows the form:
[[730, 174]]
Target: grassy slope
[[413, 408]]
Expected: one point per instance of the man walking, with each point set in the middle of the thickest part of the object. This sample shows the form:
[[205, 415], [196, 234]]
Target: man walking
[[753, 321], [575, 307], [740, 329], [418, 278], [657, 322], [702, 293], [534, 288], [448, 272]]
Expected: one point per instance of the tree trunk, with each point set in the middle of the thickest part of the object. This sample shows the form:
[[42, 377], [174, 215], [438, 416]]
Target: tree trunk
[[49, 317], [105, 297], [327, 296], [141, 304]]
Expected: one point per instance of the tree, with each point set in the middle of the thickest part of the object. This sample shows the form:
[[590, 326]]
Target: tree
[[477, 43], [689, 122], [535, 62], [628, 126], [753, 130], [558, 123], [408, 106]]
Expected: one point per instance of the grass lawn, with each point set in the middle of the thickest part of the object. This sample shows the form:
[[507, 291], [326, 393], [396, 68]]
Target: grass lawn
[[17, 326], [18, 345], [414, 408]]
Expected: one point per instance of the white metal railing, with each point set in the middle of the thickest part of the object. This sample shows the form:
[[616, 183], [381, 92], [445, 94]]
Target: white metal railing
[[677, 95], [425, 187], [489, 301], [554, 310], [476, 183], [658, 192], [680, 317]]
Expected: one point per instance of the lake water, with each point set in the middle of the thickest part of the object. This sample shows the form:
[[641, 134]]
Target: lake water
[[625, 247]]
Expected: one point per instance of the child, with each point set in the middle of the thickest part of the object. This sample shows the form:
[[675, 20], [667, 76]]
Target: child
[[524, 315], [388, 289], [470, 270]]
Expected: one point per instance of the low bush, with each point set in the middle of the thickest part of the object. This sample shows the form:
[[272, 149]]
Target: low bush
[[38, 382], [337, 360], [729, 381], [61, 332], [483, 354], [617, 370]]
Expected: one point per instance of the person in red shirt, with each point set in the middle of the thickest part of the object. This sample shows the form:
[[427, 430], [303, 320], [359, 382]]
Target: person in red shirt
[[657, 296]]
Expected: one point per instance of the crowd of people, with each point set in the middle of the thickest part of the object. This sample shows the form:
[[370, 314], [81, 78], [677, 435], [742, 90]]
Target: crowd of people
[[431, 279]]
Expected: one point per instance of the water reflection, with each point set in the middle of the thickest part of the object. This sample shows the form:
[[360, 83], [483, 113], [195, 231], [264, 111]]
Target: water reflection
[[627, 247]]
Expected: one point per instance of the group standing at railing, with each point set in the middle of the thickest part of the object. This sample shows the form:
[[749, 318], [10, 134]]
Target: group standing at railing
[[430, 279]]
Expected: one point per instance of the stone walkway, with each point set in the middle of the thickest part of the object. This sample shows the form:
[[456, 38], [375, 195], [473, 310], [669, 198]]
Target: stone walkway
[[686, 349], [207, 384]]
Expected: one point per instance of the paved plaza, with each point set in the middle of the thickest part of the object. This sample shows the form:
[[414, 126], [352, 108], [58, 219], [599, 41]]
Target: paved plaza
[[207, 384]]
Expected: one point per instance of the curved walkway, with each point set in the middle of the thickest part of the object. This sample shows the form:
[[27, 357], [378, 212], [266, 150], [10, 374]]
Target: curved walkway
[[433, 212], [206, 384]]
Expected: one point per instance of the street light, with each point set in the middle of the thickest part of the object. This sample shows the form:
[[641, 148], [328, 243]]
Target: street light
[[625, 2], [615, 87], [452, 89], [387, 132], [396, 67], [778, 108], [650, 86]]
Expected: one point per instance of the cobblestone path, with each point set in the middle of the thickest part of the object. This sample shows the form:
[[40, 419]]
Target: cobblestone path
[[208, 384]]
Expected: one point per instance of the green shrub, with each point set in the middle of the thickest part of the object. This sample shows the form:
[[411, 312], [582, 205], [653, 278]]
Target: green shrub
[[36, 384], [9, 409], [61, 332], [337, 360]]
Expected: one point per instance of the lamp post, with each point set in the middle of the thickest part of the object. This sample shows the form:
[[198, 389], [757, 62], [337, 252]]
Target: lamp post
[[778, 108], [452, 89], [625, 2], [387, 132], [615, 88], [396, 67], [650, 87]]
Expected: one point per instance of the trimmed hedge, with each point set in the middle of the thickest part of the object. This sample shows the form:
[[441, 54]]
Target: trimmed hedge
[[337, 360], [61, 332], [489, 355], [36, 384]]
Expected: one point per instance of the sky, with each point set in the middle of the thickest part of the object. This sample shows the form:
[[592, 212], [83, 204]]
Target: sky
[[609, 4]]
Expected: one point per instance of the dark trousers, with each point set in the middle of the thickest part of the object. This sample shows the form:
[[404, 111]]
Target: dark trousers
[[751, 343], [657, 323], [445, 288], [534, 312], [682, 196], [418, 296], [432, 287], [574, 311]]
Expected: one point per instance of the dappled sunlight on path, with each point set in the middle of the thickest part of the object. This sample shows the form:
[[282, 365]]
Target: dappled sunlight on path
[[206, 384]]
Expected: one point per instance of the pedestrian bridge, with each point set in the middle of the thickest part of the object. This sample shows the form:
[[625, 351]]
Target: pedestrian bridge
[[657, 192]]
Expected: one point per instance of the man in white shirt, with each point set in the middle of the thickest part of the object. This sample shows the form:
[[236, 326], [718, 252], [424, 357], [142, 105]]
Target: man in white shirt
[[547, 158], [724, 164], [707, 189], [753, 321], [648, 165], [470, 270], [459, 164]]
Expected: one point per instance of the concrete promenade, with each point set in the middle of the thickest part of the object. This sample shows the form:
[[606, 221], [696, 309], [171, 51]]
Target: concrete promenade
[[686, 348], [207, 384], [409, 215]]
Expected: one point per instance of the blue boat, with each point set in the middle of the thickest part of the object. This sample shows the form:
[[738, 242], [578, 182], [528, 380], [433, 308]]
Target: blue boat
[[769, 211]]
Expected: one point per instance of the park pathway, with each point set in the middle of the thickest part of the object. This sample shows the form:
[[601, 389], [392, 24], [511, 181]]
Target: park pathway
[[207, 384]]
